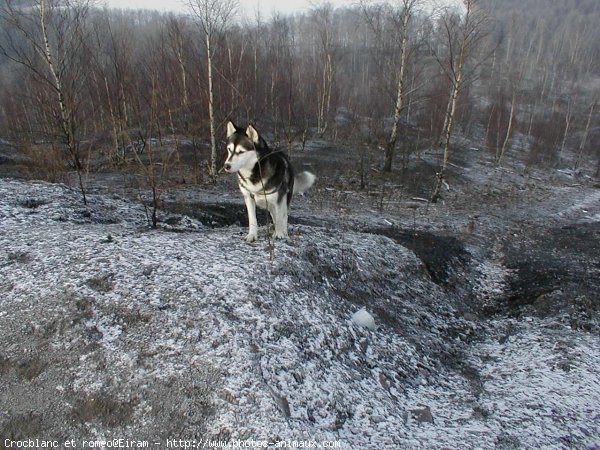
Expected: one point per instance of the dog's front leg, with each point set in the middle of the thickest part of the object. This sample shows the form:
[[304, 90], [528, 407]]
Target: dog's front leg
[[280, 217], [252, 224]]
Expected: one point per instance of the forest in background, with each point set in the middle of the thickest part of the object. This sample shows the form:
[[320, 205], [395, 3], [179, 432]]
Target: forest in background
[[81, 84]]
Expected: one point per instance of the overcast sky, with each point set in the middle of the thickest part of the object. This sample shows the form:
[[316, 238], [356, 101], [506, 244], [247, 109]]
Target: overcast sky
[[246, 6]]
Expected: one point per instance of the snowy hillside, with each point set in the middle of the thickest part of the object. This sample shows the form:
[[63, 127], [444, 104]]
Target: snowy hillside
[[111, 330]]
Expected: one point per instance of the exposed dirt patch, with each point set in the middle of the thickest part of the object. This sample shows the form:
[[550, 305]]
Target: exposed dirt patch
[[22, 427], [556, 272], [102, 283], [225, 214], [32, 203], [106, 410], [440, 253], [30, 368], [19, 257], [25, 369], [215, 215]]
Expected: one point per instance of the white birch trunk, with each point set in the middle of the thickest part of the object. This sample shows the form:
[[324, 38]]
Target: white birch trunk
[[211, 111]]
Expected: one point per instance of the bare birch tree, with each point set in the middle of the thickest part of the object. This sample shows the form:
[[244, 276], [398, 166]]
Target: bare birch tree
[[177, 37], [404, 10], [48, 39], [586, 132], [323, 15], [463, 31], [113, 72], [568, 119], [212, 16]]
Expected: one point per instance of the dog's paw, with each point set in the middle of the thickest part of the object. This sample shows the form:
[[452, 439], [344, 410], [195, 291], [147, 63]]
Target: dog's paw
[[280, 235], [251, 237]]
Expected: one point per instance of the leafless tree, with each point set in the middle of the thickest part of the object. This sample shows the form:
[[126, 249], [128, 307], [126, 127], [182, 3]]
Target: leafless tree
[[401, 14], [323, 16], [212, 16], [177, 37], [586, 132], [48, 39], [464, 31], [568, 122], [113, 72]]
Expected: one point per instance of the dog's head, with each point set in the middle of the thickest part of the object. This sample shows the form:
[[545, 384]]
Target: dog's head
[[241, 148]]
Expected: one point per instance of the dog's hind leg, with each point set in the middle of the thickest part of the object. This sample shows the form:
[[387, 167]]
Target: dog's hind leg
[[252, 223]]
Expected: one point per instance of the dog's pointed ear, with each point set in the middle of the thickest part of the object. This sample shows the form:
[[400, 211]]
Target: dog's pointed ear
[[252, 134], [230, 128]]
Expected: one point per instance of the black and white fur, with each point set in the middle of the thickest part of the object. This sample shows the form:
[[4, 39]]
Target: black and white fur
[[265, 177]]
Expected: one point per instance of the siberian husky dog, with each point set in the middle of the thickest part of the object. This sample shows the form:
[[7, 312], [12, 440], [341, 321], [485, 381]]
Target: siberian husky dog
[[265, 177]]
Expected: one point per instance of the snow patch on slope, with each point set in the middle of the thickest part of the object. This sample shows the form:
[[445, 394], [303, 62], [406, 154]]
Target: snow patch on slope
[[200, 329]]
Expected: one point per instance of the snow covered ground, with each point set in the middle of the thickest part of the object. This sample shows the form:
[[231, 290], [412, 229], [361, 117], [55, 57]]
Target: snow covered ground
[[111, 330]]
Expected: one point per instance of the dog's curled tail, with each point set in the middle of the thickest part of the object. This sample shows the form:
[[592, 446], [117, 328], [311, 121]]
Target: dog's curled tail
[[302, 182]]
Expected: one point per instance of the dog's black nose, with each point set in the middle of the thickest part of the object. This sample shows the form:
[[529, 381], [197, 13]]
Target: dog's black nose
[[227, 166]]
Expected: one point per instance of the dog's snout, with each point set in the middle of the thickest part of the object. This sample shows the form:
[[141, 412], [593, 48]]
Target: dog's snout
[[227, 166]]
